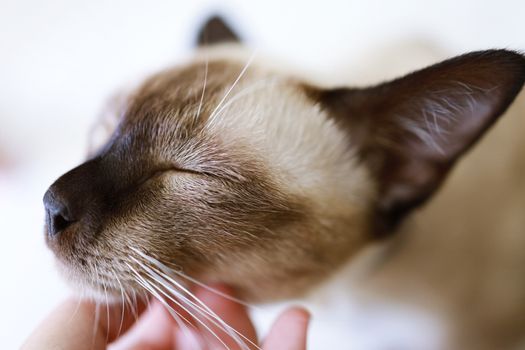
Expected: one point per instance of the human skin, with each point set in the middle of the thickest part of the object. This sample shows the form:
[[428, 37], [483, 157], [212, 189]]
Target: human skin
[[74, 325]]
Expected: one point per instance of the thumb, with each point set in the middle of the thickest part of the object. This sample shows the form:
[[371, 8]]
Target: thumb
[[75, 325]]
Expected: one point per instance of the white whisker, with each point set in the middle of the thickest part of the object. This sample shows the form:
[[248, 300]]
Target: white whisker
[[95, 323], [179, 304], [163, 282], [203, 89], [207, 313], [176, 316], [121, 288], [97, 309], [263, 83], [79, 300], [244, 69], [107, 311], [135, 306], [202, 308], [191, 279]]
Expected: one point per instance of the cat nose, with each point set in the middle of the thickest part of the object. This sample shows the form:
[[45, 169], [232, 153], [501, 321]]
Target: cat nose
[[58, 213]]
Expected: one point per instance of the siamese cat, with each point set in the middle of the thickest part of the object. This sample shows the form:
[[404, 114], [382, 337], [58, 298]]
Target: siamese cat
[[224, 169]]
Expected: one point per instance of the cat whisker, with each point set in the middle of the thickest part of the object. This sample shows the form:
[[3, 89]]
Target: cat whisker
[[79, 301], [151, 287], [134, 306], [178, 272], [107, 310], [244, 92], [97, 307], [95, 323], [207, 313], [193, 315], [199, 306], [213, 290], [176, 316], [203, 89], [203, 309], [178, 298], [121, 288], [241, 74]]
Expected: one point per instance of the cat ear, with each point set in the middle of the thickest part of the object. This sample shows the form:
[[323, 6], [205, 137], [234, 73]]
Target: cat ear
[[410, 131], [215, 31]]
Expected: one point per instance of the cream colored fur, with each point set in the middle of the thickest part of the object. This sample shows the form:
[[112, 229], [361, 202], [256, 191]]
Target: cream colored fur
[[454, 278], [458, 267]]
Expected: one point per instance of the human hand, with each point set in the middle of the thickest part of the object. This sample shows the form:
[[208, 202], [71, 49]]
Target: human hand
[[73, 325]]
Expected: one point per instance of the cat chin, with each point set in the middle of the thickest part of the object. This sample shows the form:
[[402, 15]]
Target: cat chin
[[101, 290]]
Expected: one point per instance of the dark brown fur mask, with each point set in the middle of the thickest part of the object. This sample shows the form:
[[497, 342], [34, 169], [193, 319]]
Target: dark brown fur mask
[[228, 171]]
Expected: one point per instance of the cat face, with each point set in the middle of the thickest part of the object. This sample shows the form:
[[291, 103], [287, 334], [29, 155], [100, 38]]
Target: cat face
[[224, 170]]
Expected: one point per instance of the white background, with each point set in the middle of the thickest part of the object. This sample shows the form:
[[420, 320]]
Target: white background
[[60, 60]]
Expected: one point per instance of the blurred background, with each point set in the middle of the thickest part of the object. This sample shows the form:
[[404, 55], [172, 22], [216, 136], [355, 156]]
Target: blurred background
[[60, 61]]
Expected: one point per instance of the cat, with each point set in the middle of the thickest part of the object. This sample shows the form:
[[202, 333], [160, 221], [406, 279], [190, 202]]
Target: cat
[[226, 169]]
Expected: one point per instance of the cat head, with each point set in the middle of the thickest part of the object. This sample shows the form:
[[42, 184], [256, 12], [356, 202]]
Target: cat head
[[223, 169]]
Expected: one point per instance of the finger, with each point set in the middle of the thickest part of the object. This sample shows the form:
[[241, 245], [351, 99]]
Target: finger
[[289, 331], [115, 319], [154, 330], [230, 312], [165, 325], [74, 325]]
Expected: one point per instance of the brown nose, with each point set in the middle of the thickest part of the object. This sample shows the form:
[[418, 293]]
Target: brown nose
[[66, 200], [58, 213], [83, 196]]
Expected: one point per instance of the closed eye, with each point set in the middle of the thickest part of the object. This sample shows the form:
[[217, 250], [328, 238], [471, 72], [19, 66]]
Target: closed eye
[[163, 170]]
